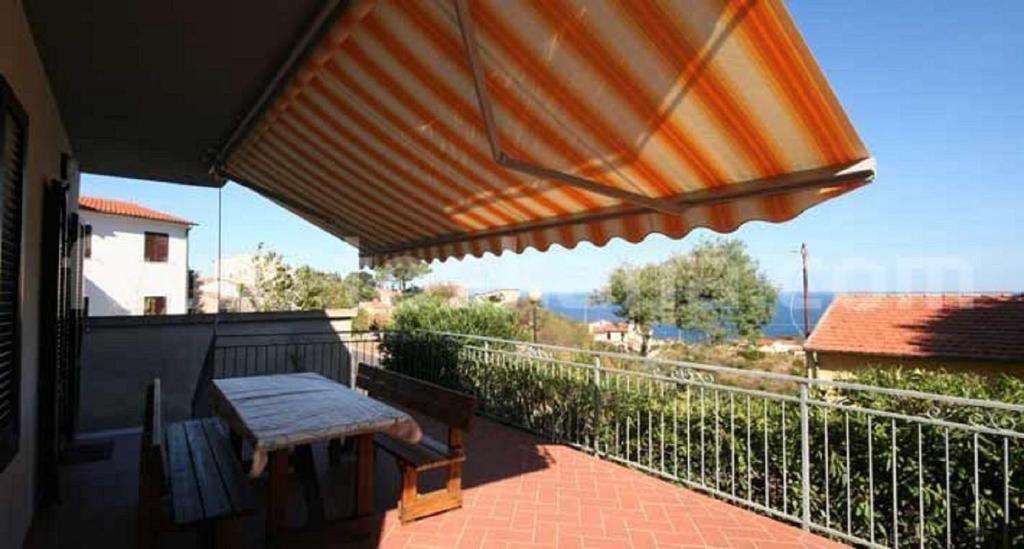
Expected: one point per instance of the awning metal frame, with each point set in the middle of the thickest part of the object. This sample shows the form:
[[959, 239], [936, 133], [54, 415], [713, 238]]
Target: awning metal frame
[[503, 159]]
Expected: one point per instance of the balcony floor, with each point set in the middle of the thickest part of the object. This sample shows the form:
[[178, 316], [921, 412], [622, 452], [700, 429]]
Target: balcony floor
[[520, 492]]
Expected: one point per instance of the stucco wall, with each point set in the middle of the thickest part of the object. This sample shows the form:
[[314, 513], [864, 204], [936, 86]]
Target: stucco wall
[[21, 66], [117, 277], [120, 355], [840, 365]]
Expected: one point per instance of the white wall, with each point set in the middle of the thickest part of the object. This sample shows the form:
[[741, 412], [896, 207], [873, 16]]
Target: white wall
[[21, 66], [117, 277]]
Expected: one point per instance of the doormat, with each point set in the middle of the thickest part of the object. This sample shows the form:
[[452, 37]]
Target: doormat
[[88, 453]]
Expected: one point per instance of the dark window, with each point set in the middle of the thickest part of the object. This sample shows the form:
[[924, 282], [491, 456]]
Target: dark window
[[13, 142], [155, 305], [86, 240], [156, 247]]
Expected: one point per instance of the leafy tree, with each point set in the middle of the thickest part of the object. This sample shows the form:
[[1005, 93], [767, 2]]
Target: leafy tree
[[272, 282], [316, 290], [193, 306], [278, 286], [364, 285], [639, 296], [717, 289], [400, 272]]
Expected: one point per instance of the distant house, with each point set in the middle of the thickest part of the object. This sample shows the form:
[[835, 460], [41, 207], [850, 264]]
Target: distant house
[[612, 333], [507, 296], [779, 346], [136, 259], [236, 272], [622, 335], [962, 333]]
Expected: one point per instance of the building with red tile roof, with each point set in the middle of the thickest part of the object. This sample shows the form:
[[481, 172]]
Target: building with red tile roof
[[134, 259], [608, 327], [128, 209], [981, 333]]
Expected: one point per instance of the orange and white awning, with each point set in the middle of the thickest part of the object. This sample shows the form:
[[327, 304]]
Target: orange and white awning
[[446, 128]]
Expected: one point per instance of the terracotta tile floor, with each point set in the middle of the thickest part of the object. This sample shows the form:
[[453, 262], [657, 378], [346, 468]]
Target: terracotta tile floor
[[520, 492]]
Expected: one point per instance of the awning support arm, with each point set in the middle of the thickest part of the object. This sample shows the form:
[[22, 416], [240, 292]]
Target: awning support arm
[[515, 164]]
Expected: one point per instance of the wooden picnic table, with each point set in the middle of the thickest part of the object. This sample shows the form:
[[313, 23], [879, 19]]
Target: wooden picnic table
[[277, 413]]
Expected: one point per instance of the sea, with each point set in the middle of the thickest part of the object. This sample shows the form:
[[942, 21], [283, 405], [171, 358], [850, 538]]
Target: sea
[[788, 320]]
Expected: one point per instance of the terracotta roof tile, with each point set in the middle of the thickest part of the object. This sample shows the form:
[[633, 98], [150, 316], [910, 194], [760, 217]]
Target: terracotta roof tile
[[129, 209], [989, 327]]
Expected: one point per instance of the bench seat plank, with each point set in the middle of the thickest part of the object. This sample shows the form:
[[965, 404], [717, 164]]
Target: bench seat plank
[[428, 454], [236, 482], [207, 482], [214, 497], [192, 460], [186, 503]]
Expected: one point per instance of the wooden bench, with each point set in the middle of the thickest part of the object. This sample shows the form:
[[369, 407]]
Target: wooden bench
[[452, 408], [193, 462]]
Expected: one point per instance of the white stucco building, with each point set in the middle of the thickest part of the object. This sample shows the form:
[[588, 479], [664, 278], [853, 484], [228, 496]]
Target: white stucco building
[[235, 273], [136, 259]]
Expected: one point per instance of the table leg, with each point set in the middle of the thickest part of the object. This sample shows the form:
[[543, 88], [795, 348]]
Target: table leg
[[277, 494], [305, 466], [236, 443], [334, 451], [364, 475]]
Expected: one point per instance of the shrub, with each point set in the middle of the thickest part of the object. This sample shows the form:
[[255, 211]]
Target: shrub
[[427, 312], [413, 346], [363, 321]]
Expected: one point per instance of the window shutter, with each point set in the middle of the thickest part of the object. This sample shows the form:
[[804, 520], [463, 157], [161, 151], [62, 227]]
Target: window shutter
[[161, 247], [13, 142], [86, 241], [154, 305], [156, 247]]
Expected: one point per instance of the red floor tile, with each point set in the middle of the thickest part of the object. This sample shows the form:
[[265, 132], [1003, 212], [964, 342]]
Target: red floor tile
[[520, 492]]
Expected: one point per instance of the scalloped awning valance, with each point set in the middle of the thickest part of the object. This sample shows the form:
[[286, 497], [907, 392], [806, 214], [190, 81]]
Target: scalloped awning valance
[[446, 128]]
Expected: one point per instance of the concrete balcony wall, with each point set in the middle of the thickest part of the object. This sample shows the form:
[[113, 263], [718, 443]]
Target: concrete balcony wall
[[120, 355]]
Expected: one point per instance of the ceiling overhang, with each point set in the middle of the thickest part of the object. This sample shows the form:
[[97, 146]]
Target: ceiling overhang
[[153, 90]]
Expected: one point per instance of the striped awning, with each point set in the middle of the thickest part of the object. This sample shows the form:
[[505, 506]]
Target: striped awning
[[446, 128]]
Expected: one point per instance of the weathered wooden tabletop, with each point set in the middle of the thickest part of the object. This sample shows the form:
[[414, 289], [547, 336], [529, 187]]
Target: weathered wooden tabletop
[[280, 411]]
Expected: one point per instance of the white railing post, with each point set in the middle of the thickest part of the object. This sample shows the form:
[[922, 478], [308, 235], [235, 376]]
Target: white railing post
[[805, 459], [353, 367], [597, 404]]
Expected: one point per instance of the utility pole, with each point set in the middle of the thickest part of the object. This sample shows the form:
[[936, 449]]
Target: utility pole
[[807, 299]]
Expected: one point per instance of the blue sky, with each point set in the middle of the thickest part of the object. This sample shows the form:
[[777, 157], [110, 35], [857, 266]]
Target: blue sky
[[934, 89]]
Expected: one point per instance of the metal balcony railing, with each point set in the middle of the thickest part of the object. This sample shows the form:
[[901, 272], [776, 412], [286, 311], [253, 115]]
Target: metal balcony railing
[[331, 354], [875, 466]]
